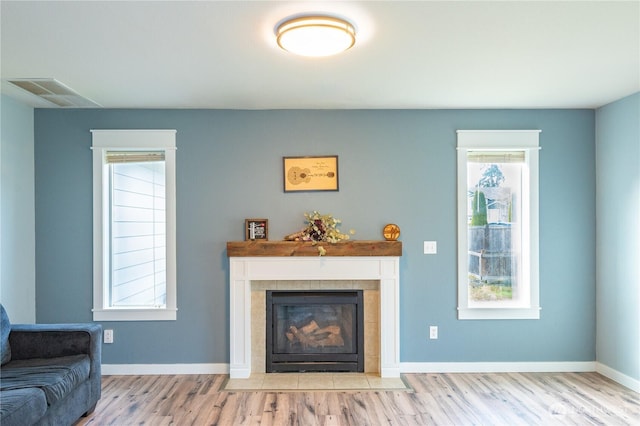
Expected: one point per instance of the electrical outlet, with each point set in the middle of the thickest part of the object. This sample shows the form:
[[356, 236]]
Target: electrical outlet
[[430, 247], [108, 336], [433, 332]]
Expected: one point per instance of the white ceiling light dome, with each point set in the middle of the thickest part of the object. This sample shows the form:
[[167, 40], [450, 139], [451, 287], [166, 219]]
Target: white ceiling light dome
[[315, 35]]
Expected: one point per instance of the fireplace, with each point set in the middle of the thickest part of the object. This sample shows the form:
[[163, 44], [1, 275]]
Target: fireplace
[[258, 266], [314, 331]]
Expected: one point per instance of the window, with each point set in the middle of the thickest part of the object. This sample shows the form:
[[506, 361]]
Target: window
[[134, 255], [498, 224]]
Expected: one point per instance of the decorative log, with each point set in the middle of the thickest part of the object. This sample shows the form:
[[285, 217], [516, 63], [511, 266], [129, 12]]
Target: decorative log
[[306, 248], [310, 328], [311, 335]]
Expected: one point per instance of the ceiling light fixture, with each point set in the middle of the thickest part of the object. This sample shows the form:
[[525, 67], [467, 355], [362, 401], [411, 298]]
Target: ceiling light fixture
[[315, 35]]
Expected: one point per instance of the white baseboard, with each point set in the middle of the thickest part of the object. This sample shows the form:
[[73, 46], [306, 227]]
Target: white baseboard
[[162, 369], [619, 377], [497, 367], [405, 367]]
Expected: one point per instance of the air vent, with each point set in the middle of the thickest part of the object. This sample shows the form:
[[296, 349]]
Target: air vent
[[54, 92]]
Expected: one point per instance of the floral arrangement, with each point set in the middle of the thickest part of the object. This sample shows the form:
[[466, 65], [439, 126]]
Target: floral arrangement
[[320, 228]]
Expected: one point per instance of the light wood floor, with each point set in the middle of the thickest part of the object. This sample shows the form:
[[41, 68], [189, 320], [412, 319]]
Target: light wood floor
[[438, 399]]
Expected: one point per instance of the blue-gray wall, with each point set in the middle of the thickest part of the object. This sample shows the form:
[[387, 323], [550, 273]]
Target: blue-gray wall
[[395, 166], [17, 221], [618, 235]]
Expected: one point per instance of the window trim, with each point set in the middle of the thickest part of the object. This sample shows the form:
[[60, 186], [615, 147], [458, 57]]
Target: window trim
[[131, 140], [525, 140]]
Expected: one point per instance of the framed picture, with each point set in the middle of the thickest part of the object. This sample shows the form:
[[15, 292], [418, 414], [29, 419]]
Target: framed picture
[[256, 229], [310, 173]]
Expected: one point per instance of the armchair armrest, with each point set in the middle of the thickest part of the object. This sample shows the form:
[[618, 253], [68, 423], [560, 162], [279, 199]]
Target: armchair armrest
[[55, 340]]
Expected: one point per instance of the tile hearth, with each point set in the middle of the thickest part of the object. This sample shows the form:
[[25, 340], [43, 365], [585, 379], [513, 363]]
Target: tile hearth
[[316, 381]]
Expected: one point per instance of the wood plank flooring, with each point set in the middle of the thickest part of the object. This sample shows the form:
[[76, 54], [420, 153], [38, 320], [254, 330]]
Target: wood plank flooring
[[438, 399]]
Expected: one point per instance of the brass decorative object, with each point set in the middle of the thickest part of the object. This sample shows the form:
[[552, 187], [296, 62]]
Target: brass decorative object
[[391, 232]]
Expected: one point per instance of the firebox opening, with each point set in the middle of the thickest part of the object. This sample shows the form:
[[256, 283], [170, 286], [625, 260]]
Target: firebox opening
[[314, 331]]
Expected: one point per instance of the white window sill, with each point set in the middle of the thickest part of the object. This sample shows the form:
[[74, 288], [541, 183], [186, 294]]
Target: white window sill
[[124, 314], [498, 313]]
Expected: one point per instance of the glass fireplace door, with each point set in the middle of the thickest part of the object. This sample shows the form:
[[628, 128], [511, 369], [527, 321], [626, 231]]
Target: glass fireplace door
[[314, 331]]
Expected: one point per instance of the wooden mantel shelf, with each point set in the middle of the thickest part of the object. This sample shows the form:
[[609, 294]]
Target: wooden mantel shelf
[[305, 248]]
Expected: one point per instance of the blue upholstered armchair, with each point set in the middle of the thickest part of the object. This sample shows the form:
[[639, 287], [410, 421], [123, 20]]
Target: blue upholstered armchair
[[50, 373]]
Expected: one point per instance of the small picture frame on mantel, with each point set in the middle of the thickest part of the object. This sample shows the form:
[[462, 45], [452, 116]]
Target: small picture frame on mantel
[[256, 229]]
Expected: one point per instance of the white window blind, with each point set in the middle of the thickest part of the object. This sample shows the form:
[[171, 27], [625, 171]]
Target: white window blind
[[488, 157], [112, 157]]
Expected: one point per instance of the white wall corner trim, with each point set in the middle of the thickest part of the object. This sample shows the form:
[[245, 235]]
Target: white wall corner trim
[[163, 369], [616, 376], [498, 367]]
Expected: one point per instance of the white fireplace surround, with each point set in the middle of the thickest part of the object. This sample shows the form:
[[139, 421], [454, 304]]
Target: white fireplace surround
[[243, 270]]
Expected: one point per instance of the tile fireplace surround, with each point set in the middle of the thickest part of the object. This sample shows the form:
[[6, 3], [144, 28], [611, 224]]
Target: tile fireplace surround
[[265, 262]]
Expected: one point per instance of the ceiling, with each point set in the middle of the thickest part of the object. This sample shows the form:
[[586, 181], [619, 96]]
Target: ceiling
[[409, 54]]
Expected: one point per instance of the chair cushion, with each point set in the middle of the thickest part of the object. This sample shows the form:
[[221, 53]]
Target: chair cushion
[[55, 376], [5, 329], [22, 406]]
